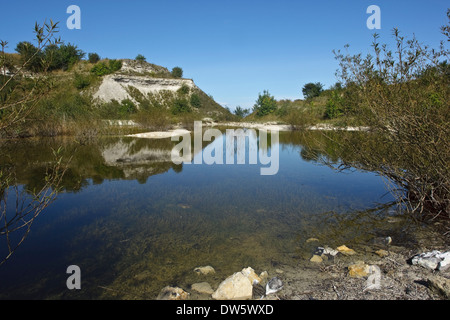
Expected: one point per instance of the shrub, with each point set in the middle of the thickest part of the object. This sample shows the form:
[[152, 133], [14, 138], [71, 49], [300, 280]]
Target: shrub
[[265, 104], [81, 81], [93, 57], [180, 106], [184, 90], [177, 72], [312, 90], [140, 58], [195, 101], [101, 68]]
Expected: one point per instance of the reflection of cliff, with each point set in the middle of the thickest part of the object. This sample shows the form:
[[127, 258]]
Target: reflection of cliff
[[138, 159], [107, 159]]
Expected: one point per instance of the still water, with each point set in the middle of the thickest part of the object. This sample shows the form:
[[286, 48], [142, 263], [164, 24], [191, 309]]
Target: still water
[[134, 222]]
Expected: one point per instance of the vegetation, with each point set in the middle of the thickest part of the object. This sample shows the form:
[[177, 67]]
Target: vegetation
[[140, 58], [312, 90], [103, 68], [265, 104], [177, 72], [93, 58], [240, 112]]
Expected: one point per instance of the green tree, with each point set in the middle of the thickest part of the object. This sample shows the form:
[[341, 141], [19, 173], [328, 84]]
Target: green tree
[[312, 90], [240, 112], [140, 58], [195, 101], [93, 57], [265, 104], [177, 72]]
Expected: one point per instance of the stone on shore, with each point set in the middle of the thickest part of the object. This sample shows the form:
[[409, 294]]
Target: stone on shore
[[202, 287], [235, 287], [434, 260], [358, 270], [345, 250], [205, 270], [172, 293]]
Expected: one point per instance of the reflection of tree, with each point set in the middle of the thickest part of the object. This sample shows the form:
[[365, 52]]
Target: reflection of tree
[[19, 208]]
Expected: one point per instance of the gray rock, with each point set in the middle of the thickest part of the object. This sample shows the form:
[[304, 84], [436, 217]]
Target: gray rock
[[274, 285], [434, 260]]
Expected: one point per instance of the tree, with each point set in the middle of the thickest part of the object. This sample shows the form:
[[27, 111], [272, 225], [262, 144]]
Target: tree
[[177, 72], [312, 90], [240, 112], [403, 97], [93, 57], [19, 96], [265, 104], [140, 58]]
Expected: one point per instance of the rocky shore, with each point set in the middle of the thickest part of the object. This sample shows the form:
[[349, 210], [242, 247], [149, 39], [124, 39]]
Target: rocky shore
[[341, 273]]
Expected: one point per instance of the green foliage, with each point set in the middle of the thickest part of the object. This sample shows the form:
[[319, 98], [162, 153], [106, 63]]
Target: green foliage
[[103, 68], [118, 110], [30, 55], [184, 90], [265, 104], [195, 101], [312, 90], [140, 58], [334, 107], [177, 72], [93, 57], [240, 112], [81, 81], [180, 106]]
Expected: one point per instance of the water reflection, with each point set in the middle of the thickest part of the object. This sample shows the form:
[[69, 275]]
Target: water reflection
[[135, 222]]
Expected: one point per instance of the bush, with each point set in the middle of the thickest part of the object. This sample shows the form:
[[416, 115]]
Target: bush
[[93, 57], [312, 90], [195, 101], [184, 90], [101, 68], [177, 72], [140, 58], [265, 104], [180, 106], [334, 107], [81, 81]]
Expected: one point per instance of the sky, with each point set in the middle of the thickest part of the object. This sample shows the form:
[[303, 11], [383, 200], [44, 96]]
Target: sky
[[233, 50]]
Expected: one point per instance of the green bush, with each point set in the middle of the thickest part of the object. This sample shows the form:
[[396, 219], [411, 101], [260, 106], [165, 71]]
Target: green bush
[[184, 90], [334, 107], [265, 104], [195, 101], [93, 57], [81, 81], [102, 69], [180, 106], [177, 72]]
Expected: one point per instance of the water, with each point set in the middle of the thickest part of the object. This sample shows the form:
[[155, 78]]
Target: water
[[134, 222]]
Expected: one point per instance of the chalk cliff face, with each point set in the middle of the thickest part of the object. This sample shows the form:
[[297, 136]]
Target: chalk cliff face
[[114, 87], [144, 76]]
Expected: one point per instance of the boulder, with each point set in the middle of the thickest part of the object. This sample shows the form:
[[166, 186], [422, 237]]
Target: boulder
[[251, 275], [235, 287], [316, 258]]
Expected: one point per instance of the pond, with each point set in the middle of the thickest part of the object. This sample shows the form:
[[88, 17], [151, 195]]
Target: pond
[[135, 222]]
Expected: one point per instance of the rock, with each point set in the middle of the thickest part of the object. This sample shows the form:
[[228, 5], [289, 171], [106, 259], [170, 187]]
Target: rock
[[345, 250], [382, 253], [263, 276], [251, 275], [203, 287], [311, 240], [279, 271], [440, 285], [204, 270], [235, 287], [172, 293], [330, 251], [374, 280], [358, 270], [315, 258], [274, 285], [434, 260]]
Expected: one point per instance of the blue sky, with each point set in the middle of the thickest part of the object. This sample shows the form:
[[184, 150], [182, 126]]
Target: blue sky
[[233, 50]]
